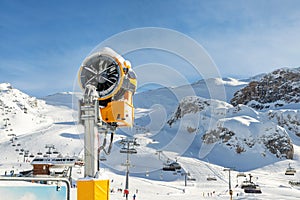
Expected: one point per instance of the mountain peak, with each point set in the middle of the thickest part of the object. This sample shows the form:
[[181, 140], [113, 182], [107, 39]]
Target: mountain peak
[[273, 90], [5, 86]]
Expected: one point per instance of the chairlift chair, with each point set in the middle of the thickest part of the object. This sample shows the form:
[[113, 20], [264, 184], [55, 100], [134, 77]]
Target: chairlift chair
[[132, 151], [102, 158], [241, 174], [290, 170], [252, 188], [211, 178]]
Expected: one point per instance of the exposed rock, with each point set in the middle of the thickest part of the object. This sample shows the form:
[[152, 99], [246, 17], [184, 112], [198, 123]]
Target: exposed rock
[[279, 145], [277, 88], [240, 129], [276, 142], [288, 119], [188, 105]]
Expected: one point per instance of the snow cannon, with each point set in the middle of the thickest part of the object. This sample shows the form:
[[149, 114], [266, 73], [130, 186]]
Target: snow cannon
[[114, 82]]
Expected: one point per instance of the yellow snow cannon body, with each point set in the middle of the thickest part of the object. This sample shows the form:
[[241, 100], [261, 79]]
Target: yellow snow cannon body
[[115, 83]]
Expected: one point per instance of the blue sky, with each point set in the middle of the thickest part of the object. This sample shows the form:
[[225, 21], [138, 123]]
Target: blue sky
[[42, 43], [41, 192]]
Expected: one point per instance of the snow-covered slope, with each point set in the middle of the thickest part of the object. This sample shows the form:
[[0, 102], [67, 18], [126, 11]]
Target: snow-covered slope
[[208, 128], [240, 134], [204, 135], [168, 98], [20, 113], [68, 99]]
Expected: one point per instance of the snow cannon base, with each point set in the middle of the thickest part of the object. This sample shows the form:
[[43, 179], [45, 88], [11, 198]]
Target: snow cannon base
[[92, 189]]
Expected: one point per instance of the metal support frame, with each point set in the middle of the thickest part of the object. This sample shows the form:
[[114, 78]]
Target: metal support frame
[[130, 144], [40, 179], [185, 174], [229, 183], [87, 118]]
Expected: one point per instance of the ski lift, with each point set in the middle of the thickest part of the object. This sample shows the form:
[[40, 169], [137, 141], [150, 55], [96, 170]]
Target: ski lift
[[245, 184], [31, 156], [102, 158], [20, 153], [290, 170], [172, 167], [189, 178], [39, 153], [211, 178], [55, 152], [132, 151], [129, 151], [294, 183], [252, 188], [123, 150], [241, 174], [167, 168]]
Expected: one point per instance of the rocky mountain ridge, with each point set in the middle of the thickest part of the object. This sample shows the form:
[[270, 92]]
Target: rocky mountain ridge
[[239, 129], [273, 90]]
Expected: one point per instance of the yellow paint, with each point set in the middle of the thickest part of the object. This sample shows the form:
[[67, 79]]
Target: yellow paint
[[93, 189], [118, 111]]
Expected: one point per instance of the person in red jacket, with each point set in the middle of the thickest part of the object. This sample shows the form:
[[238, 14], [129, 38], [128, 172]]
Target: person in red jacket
[[126, 192]]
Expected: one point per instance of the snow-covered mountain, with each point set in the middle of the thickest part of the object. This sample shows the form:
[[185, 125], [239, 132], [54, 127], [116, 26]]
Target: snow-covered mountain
[[273, 90], [238, 133], [20, 113], [187, 121], [68, 99], [186, 124], [221, 89]]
